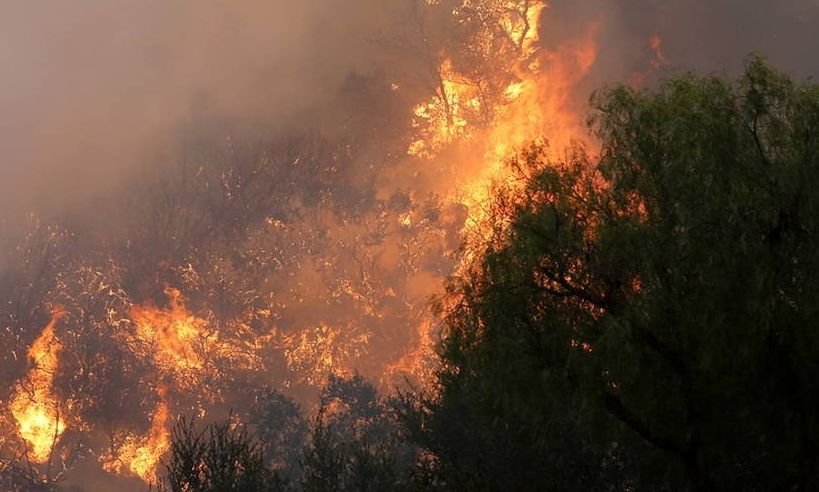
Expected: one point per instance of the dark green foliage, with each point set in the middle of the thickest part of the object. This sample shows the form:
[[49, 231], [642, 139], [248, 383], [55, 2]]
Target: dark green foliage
[[216, 458], [647, 321], [355, 444], [281, 429]]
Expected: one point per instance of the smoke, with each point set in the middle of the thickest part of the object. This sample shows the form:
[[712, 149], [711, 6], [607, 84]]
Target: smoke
[[91, 91], [250, 157], [707, 36]]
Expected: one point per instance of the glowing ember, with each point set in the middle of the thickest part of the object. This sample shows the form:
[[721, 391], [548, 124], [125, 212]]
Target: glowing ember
[[316, 353], [34, 405]]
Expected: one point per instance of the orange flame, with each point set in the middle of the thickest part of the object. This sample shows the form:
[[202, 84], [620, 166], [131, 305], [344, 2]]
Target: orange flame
[[181, 346], [446, 117], [536, 105], [140, 455], [315, 353], [175, 333], [656, 44], [34, 405], [419, 363]]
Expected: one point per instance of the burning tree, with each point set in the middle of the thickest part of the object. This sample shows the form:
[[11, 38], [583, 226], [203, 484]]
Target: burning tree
[[288, 261], [645, 320]]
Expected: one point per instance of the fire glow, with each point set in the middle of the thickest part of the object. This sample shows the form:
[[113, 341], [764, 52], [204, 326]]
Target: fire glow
[[534, 104], [140, 455], [35, 407], [471, 123]]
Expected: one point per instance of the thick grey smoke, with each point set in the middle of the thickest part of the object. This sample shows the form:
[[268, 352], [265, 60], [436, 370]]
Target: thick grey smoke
[[91, 90], [709, 36]]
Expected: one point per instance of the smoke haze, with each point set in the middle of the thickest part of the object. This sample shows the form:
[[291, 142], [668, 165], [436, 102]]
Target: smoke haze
[[240, 169], [93, 90]]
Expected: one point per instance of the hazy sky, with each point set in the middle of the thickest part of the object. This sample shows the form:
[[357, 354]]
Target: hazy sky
[[90, 89]]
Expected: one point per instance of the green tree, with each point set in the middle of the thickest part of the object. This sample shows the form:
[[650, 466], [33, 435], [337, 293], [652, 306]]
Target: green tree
[[355, 444], [647, 319], [280, 426]]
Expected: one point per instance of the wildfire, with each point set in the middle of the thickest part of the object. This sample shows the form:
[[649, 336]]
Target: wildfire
[[140, 455], [316, 353], [519, 92], [446, 117], [34, 405], [174, 331], [533, 105]]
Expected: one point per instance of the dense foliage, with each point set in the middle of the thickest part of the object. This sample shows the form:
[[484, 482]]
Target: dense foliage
[[646, 321], [219, 457], [353, 444]]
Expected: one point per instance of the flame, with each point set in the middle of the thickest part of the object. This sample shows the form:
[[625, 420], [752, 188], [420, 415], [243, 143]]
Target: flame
[[175, 333], [34, 405], [140, 455], [458, 104], [536, 106], [447, 116], [183, 344], [658, 61], [421, 362], [656, 45], [180, 345], [538, 109]]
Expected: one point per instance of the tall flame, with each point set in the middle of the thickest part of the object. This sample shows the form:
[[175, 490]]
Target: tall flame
[[538, 108], [536, 104], [180, 344], [176, 337], [34, 405], [140, 455]]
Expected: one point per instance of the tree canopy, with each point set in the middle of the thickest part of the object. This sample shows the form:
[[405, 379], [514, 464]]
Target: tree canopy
[[645, 318]]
